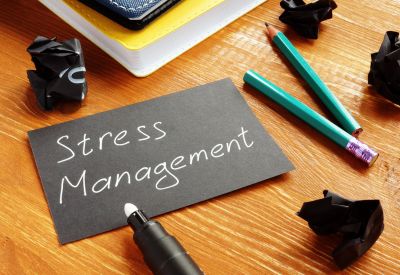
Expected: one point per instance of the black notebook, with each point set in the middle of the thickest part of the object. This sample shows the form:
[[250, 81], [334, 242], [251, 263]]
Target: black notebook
[[135, 14]]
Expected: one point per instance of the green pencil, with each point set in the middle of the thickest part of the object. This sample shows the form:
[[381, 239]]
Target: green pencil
[[348, 123], [302, 111]]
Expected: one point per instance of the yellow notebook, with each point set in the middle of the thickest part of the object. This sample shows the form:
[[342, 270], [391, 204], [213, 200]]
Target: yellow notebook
[[174, 32], [173, 19]]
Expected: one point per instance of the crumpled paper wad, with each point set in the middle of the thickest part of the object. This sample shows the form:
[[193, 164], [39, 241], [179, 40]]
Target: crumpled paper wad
[[60, 71], [359, 222], [385, 68]]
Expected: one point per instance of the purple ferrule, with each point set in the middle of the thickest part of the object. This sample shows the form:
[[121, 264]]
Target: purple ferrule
[[361, 151]]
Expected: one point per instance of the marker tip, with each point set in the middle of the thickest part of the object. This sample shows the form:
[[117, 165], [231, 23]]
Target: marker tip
[[129, 208]]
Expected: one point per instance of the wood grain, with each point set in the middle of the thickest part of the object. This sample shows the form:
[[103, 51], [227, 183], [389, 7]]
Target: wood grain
[[251, 231]]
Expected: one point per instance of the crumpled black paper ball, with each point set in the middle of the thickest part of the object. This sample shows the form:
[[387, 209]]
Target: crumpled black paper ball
[[60, 71], [385, 68], [305, 18], [360, 222]]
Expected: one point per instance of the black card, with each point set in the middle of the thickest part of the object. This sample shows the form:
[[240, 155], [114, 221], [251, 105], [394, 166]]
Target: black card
[[161, 155]]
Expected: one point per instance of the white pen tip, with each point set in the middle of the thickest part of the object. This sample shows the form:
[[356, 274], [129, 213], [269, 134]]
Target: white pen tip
[[129, 209]]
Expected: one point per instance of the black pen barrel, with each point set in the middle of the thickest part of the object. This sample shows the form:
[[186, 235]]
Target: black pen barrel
[[162, 252]]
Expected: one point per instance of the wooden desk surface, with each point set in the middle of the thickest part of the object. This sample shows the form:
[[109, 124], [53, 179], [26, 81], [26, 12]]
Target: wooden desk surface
[[273, 239]]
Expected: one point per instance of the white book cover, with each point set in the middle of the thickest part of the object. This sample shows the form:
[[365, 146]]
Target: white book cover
[[142, 62]]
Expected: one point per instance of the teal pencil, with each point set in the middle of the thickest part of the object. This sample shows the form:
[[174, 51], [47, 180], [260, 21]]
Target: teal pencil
[[348, 123], [302, 111]]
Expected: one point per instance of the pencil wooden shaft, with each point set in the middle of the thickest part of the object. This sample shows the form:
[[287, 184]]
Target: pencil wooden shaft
[[302, 111], [298, 108], [348, 123]]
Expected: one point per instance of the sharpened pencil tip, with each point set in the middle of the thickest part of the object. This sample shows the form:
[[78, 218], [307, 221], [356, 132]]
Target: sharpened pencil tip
[[129, 209], [271, 31]]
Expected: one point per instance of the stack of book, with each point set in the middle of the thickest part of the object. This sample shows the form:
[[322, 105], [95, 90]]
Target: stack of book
[[144, 51]]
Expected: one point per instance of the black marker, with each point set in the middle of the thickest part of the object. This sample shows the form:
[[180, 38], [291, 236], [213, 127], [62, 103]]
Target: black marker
[[161, 251]]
